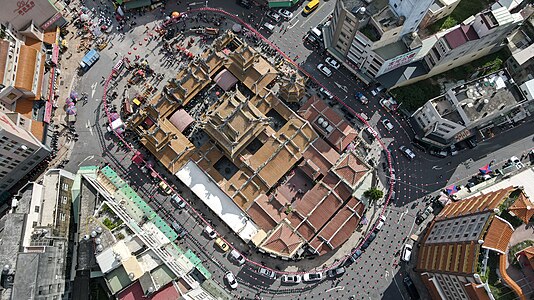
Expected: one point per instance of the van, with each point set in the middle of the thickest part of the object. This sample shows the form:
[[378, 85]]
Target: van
[[311, 6], [269, 27]]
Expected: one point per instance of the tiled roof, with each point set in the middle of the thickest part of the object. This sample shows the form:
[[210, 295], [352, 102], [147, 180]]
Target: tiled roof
[[457, 257], [498, 235], [476, 204], [529, 254], [26, 67], [475, 292], [503, 262], [522, 208], [351, 168], [283, 241]]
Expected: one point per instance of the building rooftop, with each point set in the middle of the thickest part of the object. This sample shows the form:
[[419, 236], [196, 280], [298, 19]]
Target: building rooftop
[[498, 235], [461, 35], [523, 208], [485, 96]]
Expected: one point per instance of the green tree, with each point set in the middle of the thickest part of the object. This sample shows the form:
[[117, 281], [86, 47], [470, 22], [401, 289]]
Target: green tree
[[373, 193], [448, 23]]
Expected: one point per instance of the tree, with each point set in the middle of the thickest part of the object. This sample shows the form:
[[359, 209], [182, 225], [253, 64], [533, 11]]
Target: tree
[[373, 193]]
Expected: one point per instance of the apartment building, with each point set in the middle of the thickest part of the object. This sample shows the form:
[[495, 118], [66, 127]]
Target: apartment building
[[376, 41], [35, 237], [20, 150], [521, 45], [438, 10], [465, 109], [372, 38]]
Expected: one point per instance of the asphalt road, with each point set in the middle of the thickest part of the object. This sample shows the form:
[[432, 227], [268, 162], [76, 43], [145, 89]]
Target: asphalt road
[[376, 274]]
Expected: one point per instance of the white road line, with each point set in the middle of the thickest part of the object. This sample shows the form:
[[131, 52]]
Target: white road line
[[336, 288], [398, 288], [93, 89], [291, 26], [88, 126], [87, 158], [309, 18]]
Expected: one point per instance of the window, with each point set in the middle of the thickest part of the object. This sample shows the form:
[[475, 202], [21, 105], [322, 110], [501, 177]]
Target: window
[[65, 187], [34, 224], [64, 199], [36, 209]]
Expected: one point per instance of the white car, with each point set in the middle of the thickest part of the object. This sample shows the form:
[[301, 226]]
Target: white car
[[406, 252], [377, 90], [326, 93], [393, 177], [285, 13], [311, 277], [325, 70], [407, 152], [273, 15], [267, 273], [210, 232], [292, 279], [381, 222], [178, 202], [454, 150], [518, 164], [332, 62], [387, 124], [236, 256], [230, 278], [371, 132]]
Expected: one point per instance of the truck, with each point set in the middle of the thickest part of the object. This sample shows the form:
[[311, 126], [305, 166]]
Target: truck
[[89, 60]]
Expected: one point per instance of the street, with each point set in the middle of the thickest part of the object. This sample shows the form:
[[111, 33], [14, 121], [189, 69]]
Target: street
[[377, 274]]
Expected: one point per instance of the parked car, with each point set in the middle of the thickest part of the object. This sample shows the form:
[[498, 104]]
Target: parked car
[[267, 273], [273, 15], [410, 287], [472, 143], [454, 150], [222, 245], [326, 93], [179, 230], [268, 26], [178, 202], [230, 278], [311, 277], [407, 152], [439, 153], [421, 216], [332, 273], [514, 160], [356, 255], [362, 98], [406, 252], [285, 13], [237, 257], [165, 188], [387, 124], [324, 69], [381, 222], [210, 232], [333, 63], [369, 241], [291, 279], [245, 3], [372, 133], [377, 90]]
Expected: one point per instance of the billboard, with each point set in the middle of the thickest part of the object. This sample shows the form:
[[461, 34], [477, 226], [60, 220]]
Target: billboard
[[398, 61]]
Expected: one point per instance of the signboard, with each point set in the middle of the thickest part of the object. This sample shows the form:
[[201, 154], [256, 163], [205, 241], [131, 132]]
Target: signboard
[[55, 54], [51, 94], [398, 61], [51, 21]]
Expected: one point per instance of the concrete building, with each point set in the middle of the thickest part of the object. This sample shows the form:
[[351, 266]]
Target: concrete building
[[453, 258], [36, 240], [464, 110], [521, 45], [28, 69], [141, 259], [39, 13], [375, 41], [438, 10], [20, 151]]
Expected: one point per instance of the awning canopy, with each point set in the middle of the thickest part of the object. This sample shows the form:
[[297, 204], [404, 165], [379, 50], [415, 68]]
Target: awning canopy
[[136, 4], [181, 119], [225, 80], [485, 170]]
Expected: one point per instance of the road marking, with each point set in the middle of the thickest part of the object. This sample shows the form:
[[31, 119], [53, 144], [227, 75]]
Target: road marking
[[436, 168], [87, 158], [93, 89], [291, 26], [398, 288], [88, 126], [336, 288], [402, 215], [343, 87], [387, 274]]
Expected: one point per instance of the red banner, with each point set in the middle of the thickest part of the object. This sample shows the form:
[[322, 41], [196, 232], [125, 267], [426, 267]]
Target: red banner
[[55, 53], [49, 102]]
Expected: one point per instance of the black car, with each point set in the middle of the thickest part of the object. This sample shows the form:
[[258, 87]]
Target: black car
[[244, 3], [410, 287], [368, 241], [472, 143]]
